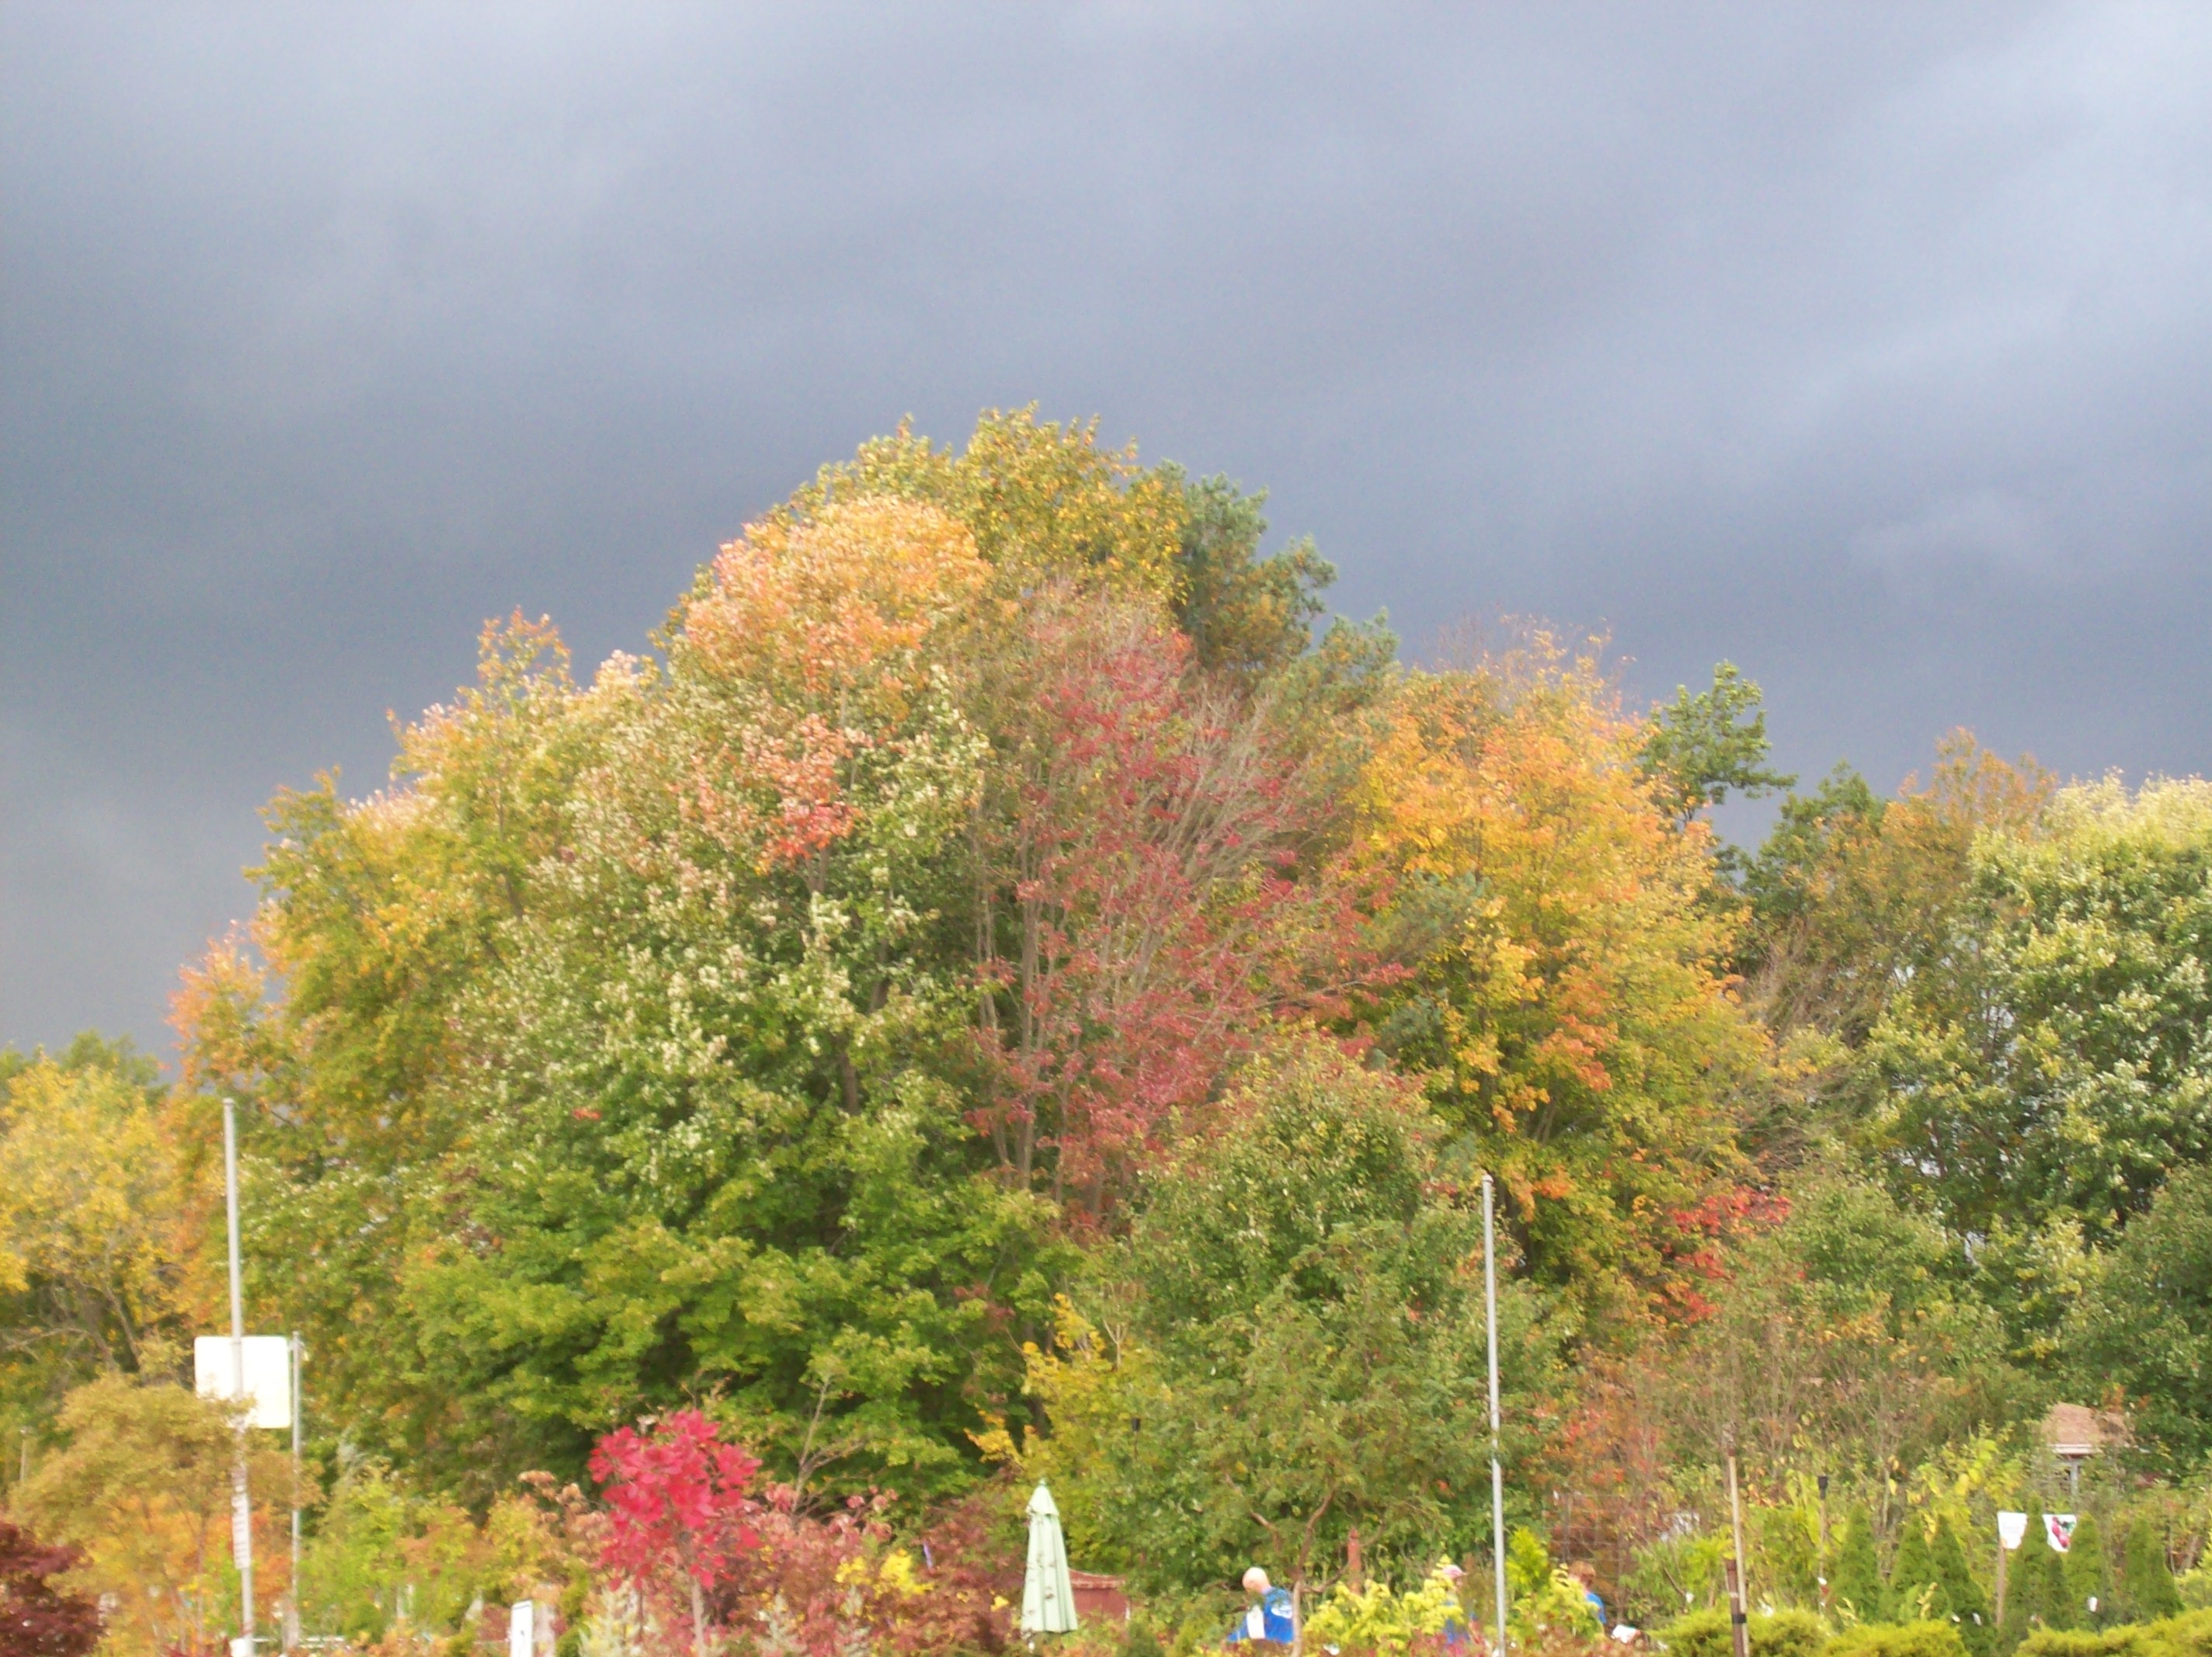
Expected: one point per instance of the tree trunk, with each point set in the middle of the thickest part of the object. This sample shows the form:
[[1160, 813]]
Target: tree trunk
[[698, 1620]]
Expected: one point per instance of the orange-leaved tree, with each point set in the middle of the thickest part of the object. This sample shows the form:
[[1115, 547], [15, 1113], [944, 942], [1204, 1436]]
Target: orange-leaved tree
[[1569, 1005]]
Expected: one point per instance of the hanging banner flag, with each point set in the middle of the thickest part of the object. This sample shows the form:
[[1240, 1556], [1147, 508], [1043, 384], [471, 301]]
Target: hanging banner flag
[[2058, 1531], [2011, 1530]]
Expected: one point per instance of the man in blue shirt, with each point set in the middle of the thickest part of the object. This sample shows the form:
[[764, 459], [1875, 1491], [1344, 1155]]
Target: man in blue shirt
[[1270, 1617]]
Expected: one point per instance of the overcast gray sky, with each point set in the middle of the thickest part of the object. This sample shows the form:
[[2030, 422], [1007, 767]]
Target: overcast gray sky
[[1869, 347]]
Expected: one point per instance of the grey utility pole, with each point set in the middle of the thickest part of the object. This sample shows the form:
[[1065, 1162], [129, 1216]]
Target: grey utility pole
[[1496, 1469], [241, 1502], [299, 1410]]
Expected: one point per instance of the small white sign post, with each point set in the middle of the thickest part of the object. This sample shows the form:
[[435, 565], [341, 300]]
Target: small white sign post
[[2012, 1530], [241, 1501], [267, 1389]]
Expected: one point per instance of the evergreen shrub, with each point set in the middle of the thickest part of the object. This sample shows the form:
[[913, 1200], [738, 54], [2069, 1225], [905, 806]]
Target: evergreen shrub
[[2187, 1635], [1898, 1640], [1783, 1634]]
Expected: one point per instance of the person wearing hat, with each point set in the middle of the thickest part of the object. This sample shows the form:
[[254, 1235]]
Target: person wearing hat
[[1270, 1616]]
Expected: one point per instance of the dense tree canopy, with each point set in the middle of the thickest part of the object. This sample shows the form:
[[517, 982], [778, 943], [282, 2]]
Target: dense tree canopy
[[96, 1198], [1287, 1348], [2144, 1325], [765, 1016], [999, 984], [2056, 1058]]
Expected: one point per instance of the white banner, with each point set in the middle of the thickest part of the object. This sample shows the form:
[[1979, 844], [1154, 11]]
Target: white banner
[[2011, 1530], [2058, 1531]]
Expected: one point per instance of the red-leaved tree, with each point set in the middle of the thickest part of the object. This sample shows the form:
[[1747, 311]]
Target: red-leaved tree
[[36, 1618], [679, 1498], [1152, 900]]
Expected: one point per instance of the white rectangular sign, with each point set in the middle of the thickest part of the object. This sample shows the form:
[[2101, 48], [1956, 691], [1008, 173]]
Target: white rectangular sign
[[267, 1380]]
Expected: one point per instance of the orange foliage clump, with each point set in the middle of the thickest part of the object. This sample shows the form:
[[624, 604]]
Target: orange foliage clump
[[1572, 1011], [810, 633]]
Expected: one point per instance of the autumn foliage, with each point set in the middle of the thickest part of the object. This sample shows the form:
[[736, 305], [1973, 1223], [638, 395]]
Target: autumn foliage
[[808, 638], [1572, 1004], [986, 985], [1157, 896], [692, 1537], [745, 1012], [679, 1497]]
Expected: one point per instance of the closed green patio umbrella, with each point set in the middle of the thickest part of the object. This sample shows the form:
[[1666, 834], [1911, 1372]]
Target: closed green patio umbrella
[[1048, 1598]]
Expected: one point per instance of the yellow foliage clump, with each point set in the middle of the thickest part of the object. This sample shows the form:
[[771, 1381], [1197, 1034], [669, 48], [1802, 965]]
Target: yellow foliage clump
[[1043, 501]]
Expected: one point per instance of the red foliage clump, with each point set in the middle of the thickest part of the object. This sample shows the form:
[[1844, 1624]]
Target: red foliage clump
[[677, 1492], [681, 1506], [685, 1525], [1152, 915], [36, 1618], [1702, 1233]]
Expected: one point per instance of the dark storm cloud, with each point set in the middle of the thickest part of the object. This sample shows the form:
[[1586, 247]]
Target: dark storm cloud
[[1871, 348]]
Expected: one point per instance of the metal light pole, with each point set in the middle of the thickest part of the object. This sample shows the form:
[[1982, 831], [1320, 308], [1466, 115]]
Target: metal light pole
[[1496, 1469], [299, 1410], [241, 1503]]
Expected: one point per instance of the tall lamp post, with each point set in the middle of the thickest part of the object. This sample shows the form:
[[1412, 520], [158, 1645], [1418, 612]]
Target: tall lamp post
[[1497, 1468], [241, 1502], [299, 1410]]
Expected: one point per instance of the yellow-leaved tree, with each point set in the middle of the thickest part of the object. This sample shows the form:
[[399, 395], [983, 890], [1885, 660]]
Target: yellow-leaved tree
[[95, 1223], [1569, 1007]]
